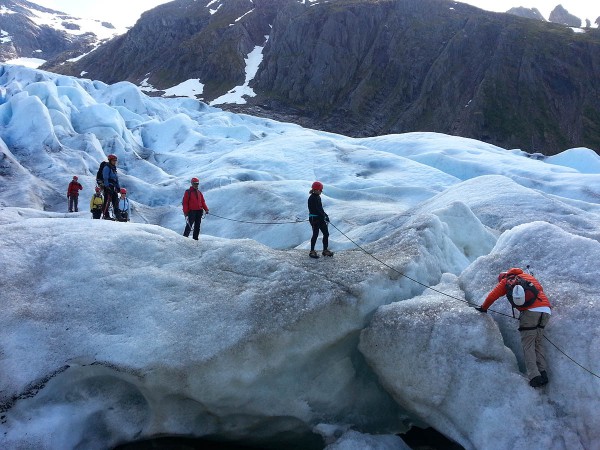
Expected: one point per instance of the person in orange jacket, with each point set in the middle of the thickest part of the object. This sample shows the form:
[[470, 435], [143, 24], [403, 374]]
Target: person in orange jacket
[[193, 208], [533, 318], [73, 194]]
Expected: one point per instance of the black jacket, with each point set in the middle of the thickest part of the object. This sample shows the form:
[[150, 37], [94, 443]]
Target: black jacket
[[315, 207]]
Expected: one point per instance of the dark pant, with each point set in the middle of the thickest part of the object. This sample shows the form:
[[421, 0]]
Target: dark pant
[[110, 196], [317, 224], [123, 216], [73, 200], [96, 213], [193, 220]]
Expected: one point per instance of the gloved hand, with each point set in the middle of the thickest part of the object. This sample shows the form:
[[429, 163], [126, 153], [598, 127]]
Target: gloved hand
[[480, 309], [326, 218]]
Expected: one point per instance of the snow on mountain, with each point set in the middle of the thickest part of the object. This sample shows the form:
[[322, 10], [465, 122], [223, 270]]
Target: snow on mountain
[[114, 332], [31, 34], [69, 24]]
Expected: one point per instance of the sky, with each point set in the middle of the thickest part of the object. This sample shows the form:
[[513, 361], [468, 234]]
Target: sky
[[113, 332], [122, 13], [126, 13]]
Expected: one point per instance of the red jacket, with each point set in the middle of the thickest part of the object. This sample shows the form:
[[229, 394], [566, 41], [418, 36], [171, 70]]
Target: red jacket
[[500, 290], [74, 188], [193, 200]]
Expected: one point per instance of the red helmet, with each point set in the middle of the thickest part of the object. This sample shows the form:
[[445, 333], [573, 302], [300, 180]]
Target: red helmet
[[195, 180], [97, 189], [111, 157], [75, 178], [502, 276], [317, 185], [123, 191]]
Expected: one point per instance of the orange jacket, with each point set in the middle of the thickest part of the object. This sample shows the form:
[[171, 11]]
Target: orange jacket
[[500, 290]]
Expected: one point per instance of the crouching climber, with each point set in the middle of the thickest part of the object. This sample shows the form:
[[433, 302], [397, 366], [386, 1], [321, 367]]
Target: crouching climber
[[526, 294]]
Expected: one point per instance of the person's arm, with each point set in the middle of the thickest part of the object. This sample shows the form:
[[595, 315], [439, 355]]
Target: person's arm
[[494, 295], [106, 175], [203, 202], [185, 203], [322, 212]]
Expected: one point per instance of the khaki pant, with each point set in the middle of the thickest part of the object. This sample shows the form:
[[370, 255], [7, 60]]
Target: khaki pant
[[531, 325]]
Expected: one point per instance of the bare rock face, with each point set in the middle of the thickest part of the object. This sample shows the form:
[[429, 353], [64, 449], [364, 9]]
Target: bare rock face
[[562, 16], [528, 13]]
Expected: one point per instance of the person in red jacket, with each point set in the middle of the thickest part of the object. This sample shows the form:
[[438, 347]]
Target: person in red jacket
[[193, 208], [532, 320], [73, 194]]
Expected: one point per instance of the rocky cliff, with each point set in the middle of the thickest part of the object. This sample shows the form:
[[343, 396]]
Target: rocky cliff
[[368, 67], [562, 16], [529, 13]]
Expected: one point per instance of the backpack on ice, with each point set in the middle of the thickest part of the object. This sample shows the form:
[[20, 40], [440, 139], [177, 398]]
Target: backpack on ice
[[99, 175], [520, 292]]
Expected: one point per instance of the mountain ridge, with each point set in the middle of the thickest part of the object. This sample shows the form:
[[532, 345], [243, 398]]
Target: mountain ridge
[[366, 68], [30, 30]]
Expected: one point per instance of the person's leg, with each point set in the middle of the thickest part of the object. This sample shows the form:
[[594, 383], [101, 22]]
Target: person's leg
[[315, 234], [187, 230], [197, 221], [76, 203], [325, 231], [115, 203], [107, 200], [528, 322], [540, 356], [71, 203]]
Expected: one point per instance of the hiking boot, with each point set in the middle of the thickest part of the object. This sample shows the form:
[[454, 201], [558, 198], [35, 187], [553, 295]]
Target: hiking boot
[[537, 382], [313, 254], [327, 252], [544, 376]]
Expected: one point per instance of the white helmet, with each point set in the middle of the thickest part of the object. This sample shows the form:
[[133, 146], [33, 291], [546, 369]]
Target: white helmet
[[518, 295]]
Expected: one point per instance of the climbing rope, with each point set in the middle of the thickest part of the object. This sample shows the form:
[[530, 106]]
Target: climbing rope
[[460, 299], [411, 279], [260, 223]]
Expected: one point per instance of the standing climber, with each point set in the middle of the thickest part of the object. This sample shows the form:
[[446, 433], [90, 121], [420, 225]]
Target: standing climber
[[110, 181], [123, 207], [318, 220], [526, 294], [194, 207], [73, 194], [96, 203]]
